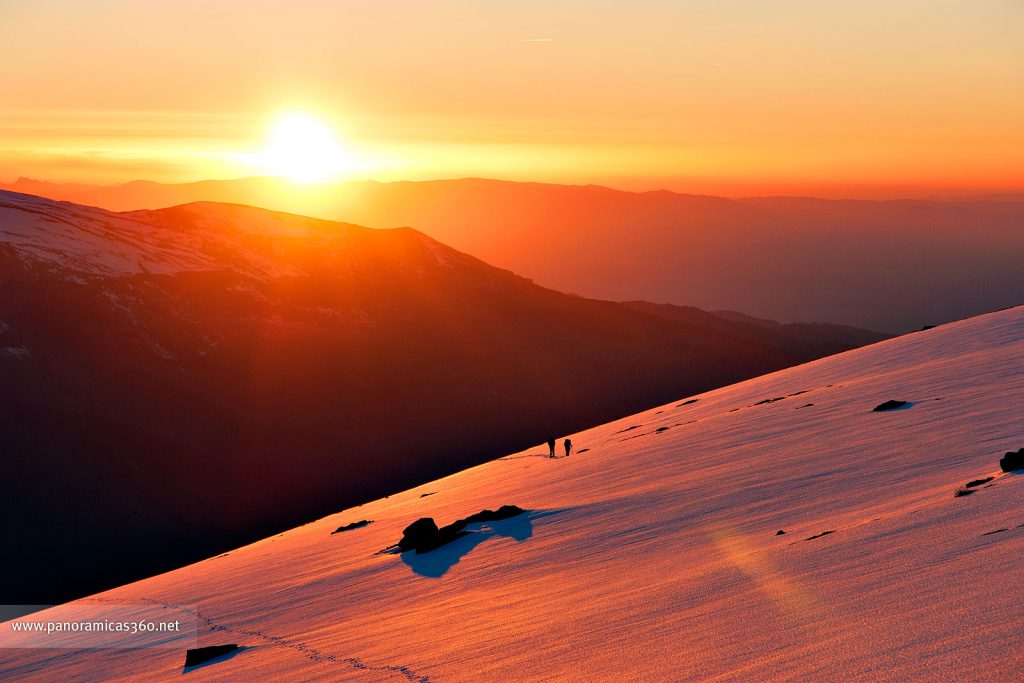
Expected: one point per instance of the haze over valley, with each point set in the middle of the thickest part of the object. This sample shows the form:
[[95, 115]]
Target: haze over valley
[[891, 266]]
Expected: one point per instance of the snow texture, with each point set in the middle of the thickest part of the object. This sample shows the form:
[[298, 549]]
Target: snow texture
[[653, 555], [96, 242]]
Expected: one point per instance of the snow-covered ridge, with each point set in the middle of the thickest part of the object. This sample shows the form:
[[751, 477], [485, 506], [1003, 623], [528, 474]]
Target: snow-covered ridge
[[239, 218], [653, 553], [201, 236], [93, 241]]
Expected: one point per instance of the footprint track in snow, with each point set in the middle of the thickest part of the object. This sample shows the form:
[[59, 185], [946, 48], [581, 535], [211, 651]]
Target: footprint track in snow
[[308, 651]]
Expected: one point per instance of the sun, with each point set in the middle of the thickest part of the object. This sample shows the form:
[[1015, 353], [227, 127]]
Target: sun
[[304, 149]]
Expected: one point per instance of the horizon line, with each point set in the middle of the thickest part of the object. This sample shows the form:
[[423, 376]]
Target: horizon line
[[930, 194]]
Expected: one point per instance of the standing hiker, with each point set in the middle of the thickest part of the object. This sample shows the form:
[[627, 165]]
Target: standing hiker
[[551, 448], [568, 447]]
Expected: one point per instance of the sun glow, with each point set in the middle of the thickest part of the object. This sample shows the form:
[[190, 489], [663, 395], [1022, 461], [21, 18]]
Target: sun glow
[[304, 149]]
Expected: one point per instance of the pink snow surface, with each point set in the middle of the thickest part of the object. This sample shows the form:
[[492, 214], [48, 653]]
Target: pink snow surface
[[653, 556]]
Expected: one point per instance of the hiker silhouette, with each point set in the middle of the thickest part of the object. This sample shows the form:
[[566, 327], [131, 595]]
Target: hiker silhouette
[[551, 448], [568, 447]]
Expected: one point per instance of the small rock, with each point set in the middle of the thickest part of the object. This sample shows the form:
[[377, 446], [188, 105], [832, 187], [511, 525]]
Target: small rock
[[418, 533], [504, 512], [423, 535], [204, 654], [1013, 460], [888, 405], [354, 525], [780, 532]]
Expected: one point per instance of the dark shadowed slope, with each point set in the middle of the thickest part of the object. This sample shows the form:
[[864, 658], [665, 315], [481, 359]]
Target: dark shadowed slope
[[727, 538], [814, 339], [177, 381]]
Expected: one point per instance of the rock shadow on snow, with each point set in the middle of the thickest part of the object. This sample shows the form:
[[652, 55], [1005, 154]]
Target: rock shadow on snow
[[436, 563]]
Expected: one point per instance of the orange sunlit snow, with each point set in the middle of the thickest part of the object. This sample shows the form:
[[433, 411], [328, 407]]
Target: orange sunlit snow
[[746, 274]]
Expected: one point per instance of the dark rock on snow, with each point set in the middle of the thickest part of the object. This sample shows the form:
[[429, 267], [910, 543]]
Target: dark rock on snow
[[504, 512], [418, 533], [204, 654], [888, 405], [354, 525], [1013, 460], [423, 535]]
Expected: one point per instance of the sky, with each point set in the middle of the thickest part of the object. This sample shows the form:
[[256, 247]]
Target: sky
[[728, 97]]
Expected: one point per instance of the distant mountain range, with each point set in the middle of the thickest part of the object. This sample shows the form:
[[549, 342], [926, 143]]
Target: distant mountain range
[[178, 381], [886, 265], [813, 339]]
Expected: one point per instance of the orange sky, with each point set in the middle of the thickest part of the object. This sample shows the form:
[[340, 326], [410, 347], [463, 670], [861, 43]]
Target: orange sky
[[729, 97]]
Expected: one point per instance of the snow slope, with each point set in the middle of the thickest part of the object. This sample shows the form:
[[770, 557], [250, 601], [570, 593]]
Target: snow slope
[[139, 349], [96, 242], [654, 556]]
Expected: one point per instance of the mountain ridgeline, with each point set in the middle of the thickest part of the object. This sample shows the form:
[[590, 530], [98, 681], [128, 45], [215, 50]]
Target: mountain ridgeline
[[893, 266], [176, 382]]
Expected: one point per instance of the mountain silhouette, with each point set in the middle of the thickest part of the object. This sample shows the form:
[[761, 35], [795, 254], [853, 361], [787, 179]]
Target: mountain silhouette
[[179, 381], [893, 266]]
